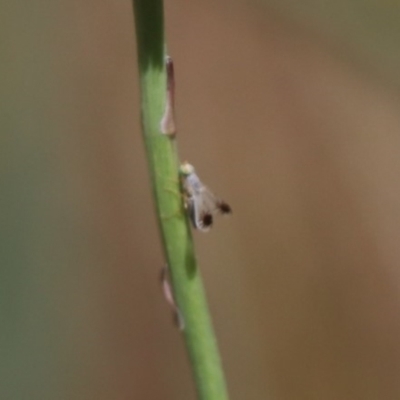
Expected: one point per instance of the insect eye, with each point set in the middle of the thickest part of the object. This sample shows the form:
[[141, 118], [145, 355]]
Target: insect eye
[[224, 208]]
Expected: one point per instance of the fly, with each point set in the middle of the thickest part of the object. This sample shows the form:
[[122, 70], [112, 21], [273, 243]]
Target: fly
[[201, 203]]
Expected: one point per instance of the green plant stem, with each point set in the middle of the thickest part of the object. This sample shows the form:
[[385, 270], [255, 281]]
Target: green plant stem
[[175, 230]]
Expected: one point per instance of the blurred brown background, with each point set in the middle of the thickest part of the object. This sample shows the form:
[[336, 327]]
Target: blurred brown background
[[290, 112]]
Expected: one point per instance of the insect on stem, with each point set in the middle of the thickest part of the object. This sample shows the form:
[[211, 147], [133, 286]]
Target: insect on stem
[[167, 124], [201, 203]]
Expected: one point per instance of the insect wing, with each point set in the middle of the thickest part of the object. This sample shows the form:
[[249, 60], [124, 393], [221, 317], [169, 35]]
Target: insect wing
[[199, 213], [204, 205], [214, 203], [223, 207]]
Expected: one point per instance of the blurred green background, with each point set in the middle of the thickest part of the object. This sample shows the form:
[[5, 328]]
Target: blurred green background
[[290, 111]]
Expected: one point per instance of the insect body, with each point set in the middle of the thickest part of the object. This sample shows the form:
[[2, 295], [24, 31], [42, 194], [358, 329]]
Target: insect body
[[201, 203]]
